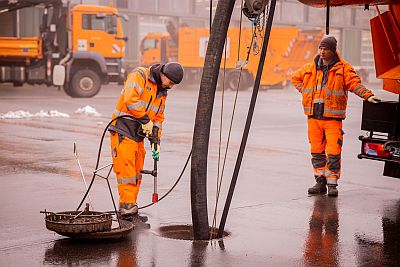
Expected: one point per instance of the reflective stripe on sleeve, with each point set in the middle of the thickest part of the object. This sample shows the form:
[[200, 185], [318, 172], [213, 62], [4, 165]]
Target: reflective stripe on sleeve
[[298, 87], [363, 91], [120, 113], [306, 90], [134, 85], [358, 88], [136, 105], [153, 108]]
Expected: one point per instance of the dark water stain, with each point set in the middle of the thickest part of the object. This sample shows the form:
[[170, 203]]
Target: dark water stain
[[45, 139], [9, 165], [71, 252], [386, 253]]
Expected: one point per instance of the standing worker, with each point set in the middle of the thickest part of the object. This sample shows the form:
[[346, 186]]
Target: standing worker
[[324, 85], [143, 97]]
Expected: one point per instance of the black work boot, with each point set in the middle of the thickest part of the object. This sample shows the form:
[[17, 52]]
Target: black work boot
[[319, 187], [332, 190]]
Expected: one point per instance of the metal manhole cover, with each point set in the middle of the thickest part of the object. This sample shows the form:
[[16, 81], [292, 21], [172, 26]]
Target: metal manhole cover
[[75, 222]]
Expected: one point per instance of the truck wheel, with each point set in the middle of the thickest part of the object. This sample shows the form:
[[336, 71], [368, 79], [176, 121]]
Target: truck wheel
[[84, 83]]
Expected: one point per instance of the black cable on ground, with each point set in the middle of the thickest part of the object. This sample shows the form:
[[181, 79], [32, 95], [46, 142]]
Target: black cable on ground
[[98, 160], [172, 188]]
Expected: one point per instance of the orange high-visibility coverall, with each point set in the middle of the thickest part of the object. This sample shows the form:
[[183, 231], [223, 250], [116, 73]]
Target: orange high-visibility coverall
[[325, 132], [140, 99]]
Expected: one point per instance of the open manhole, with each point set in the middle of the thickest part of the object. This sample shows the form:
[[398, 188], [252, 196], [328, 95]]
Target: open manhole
[[182, 232]]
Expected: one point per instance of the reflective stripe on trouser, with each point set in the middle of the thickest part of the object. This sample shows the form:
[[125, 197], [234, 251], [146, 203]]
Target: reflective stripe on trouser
[[128, 159], [326, 139]]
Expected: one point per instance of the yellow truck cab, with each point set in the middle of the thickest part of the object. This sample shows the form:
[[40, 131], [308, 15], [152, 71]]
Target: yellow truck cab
[[84, 43]]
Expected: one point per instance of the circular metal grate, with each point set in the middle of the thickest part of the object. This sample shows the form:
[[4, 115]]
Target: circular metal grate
[[75, 222]]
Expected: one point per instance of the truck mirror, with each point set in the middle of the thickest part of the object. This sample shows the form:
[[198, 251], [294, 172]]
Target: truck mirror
[[123, 16], [100, 16], [58, 75], [121, 38]]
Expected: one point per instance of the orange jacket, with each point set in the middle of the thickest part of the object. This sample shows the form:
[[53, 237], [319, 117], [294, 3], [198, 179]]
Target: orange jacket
[[341, 79], [140, 99]]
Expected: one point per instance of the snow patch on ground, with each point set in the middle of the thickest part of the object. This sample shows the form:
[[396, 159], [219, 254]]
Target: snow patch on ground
[[20, 114], [88, 110]]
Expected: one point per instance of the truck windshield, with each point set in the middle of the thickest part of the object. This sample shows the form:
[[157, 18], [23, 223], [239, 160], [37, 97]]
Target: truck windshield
[[93, 22], [150, 44]]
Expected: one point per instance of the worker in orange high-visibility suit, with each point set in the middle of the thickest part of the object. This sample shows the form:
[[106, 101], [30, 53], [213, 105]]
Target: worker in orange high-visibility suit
[[324, 85], [143, 97]]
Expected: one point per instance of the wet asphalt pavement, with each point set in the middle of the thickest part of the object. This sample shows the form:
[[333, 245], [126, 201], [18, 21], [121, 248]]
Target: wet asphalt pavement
[[272, 221]]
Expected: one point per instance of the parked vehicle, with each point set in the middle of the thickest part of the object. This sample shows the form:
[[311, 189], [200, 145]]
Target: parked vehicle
[[289, 48], [78, 48]]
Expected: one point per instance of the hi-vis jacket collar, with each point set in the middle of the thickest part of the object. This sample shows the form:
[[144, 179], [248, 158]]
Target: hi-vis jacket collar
[[160, 91], [334, 62], [152, 78]]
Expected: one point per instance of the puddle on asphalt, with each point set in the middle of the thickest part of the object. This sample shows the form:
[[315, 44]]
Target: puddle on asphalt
[[182, 232]]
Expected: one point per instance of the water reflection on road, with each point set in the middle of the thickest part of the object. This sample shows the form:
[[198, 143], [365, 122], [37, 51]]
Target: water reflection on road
[[321, 246]]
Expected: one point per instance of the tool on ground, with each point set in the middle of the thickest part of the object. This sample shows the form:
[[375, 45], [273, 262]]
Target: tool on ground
[[154, 174], [80, 168]]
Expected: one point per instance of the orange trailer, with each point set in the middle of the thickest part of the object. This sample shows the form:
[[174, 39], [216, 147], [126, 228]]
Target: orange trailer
[[192, 44]]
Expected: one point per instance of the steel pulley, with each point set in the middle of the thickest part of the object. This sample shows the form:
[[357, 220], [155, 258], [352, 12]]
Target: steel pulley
[[253, 8]]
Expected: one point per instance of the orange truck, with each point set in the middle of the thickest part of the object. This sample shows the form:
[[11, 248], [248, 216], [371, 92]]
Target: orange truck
[[289, 48], [78, 48]]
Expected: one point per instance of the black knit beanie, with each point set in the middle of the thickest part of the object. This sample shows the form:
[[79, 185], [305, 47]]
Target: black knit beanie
[[173, 71]]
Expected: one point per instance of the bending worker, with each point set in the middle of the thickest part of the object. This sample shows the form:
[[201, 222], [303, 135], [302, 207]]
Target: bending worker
[[143, 97], [324, 85]]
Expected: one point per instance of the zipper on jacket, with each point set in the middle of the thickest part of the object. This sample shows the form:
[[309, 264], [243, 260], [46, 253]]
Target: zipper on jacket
[[148, 105], [159, 108]]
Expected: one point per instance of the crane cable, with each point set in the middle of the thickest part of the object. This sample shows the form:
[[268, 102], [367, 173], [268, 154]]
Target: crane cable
[[219, 177]]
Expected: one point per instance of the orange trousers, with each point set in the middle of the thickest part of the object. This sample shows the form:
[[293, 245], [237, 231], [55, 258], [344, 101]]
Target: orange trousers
[[128, 159], [326, 140]]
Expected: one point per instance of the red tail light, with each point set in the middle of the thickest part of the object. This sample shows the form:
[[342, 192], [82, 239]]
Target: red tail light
[[375, 149]]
